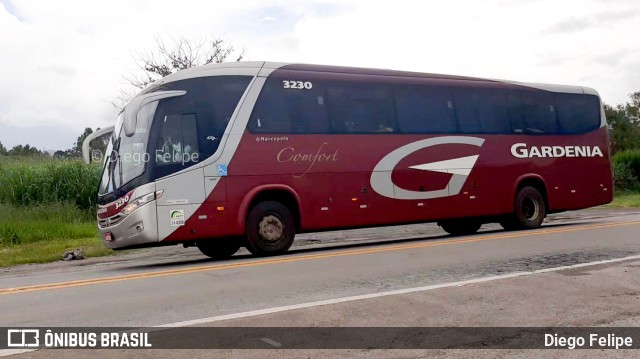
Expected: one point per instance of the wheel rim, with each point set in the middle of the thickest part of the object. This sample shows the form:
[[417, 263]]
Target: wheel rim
[[530, 209], [271, 228]]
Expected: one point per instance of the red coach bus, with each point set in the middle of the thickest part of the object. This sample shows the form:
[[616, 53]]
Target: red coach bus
[[251, 153]]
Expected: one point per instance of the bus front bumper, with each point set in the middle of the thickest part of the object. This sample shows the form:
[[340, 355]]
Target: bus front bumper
[[138, 229]]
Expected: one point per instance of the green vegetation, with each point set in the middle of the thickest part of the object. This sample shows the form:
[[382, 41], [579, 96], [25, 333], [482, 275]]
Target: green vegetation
[[628, 161], [626, 199], [22, 225], [43, 233], [624, 124], [623, 177], [41, 181], [47, 206], [49, 251]]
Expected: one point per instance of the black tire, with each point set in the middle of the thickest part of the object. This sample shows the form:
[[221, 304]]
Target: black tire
[[219, 248], [270, 229], [529, 210], [460, 227]]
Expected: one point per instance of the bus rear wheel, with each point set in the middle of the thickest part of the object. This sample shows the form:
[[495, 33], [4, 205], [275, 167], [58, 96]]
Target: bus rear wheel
[[460, 227], [270, 229], [529, 211], [219, 248]]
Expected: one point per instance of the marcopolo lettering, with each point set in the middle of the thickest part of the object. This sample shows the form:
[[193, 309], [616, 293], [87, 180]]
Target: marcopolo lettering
[[521, 150]]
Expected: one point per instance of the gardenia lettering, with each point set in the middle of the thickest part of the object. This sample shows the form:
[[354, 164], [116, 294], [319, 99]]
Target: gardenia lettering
[[520, 150]]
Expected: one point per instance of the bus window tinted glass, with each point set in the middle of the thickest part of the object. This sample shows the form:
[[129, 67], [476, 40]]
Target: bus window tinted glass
[[532, 112], [179, 140], [466, 104], [423, 109], [481, 110], [283, 109], [578, 113], [212, 100], [360, 109], [191, 126], [492, 112]]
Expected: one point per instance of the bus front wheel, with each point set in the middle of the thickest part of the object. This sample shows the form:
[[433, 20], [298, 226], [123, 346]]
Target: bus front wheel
[[460, 227], [219, 248], [270, 229], [529, 210]]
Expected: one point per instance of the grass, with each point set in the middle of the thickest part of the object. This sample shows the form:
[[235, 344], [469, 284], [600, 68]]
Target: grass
[[43, 233], [24, 225], [626, 199], [49, 251], [39, 181], [47, 206]]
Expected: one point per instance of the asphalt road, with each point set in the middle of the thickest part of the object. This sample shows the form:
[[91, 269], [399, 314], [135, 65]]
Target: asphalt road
[[171, 286]]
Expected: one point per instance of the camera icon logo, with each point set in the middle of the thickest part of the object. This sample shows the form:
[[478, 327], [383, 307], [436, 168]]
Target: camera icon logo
[[23, 338]]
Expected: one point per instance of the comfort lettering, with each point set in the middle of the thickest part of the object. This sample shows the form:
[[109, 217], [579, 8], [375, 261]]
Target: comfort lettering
[[291, 155]]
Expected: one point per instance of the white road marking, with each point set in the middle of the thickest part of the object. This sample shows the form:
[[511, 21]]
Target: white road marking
[[253, 313], [285, 308]]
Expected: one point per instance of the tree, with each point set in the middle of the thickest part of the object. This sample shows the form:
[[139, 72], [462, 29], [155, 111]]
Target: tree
[[182, 53], [26, 150], [76, 149], [624, 124], [3, 150], [633, 108], [60, 154]]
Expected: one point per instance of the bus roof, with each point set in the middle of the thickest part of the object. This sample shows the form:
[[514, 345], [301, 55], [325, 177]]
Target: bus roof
[[265, 67]]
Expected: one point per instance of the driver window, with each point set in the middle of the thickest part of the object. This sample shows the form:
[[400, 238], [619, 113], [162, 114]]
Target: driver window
[[179, 140]]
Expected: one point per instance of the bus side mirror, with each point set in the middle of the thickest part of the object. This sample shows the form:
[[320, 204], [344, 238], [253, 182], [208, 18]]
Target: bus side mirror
[[86, 155], [131, 109]]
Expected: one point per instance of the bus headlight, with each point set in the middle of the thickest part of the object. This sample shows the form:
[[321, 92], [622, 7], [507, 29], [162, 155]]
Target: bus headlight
[[133, 205]]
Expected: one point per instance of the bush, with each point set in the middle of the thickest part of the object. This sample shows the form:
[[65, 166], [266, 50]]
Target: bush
[[623, 178], [28, 182], [629, 158]]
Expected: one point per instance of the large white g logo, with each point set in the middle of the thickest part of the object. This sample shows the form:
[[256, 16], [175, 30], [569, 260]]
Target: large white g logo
[[460, 168]]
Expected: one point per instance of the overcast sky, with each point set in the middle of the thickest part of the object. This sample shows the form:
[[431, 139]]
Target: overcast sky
[[63, 61]]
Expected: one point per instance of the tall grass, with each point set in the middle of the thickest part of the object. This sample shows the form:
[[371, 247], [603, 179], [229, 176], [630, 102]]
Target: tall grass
[[45, 223], [47, 206], [36, 182]]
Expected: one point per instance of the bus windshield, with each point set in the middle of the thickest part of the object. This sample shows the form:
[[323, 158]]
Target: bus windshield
[[127, 155], [171, 134]]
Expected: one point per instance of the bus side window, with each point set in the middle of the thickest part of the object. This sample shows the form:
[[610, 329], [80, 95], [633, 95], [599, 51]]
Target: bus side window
[[516, 115], [578, 113], [214, 106], [361, 108], [492, 112], [179, 140], [425, 109], [289, 111], [467, 102], [532, 112], [540, 113]]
